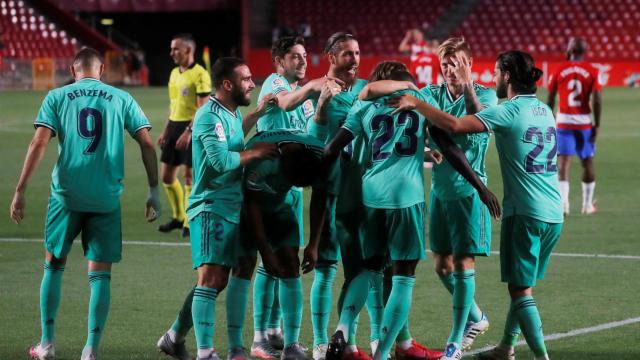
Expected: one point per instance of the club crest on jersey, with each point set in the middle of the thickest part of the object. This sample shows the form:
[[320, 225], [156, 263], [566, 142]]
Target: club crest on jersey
[[184, 91], [220, 132], [307, 108], [277, 82]]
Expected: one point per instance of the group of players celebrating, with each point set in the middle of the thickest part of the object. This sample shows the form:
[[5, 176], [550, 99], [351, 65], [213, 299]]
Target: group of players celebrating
[[360, 146]]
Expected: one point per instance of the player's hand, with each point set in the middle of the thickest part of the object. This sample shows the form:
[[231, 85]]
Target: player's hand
[[434, 156], [16, 211], [271, 263], [462, 68], [161, 139], [594, 135], [492, 202], [405, 102], [152, 207], [317, 84], [267, 102], [329, 90], [184, 140], [264, 150], [309, 259]]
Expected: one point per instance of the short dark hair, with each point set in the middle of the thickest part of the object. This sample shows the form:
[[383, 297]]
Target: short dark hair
[[523, 73], [402, 75], [187, 38], [223, 69], [335, 39], [383, 70], [86, 58], [578, 46], [282, 46]]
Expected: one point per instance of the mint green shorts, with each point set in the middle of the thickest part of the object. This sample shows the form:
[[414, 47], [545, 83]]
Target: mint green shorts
[[397, 233], [461, 226], [214, 240], [525, 248], [101, 232]]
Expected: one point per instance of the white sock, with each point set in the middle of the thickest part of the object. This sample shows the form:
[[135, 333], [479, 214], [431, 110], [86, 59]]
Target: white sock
[[259, 336], [564, 192], [374, 346], [205, 353], [345, 331], [544, 357], [587, 194], [405, 344], [274, 331]]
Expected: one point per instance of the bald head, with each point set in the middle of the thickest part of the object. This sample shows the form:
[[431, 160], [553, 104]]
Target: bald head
[[87, 63], [577, 48]]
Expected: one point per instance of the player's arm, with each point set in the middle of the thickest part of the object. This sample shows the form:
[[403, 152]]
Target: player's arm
[[289, 100], [404, 44], [317, 217], [447, 122], [35, 152], [553, 91], [462, 69], [256, 223], [252, 118], [150, 161], [455, 156], [384, 87], [185, 138], [596, 104], [329, 90], [343, 138]]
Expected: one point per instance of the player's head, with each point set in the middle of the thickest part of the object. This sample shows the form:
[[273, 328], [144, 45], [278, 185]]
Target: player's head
[[343, 53], [290, 57], [87, 63], [577, 48], [517, 70], [418, 36], [183, 48], [300, 165], [402, 75], [447, 52], [384, 69], [232, 76]]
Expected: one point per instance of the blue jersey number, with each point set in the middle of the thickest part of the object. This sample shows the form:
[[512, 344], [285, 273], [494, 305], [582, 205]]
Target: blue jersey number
[[90, 129], [540, 139], [401, 148]]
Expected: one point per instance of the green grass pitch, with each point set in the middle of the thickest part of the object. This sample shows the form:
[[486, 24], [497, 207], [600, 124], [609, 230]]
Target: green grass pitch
[[150, 283]]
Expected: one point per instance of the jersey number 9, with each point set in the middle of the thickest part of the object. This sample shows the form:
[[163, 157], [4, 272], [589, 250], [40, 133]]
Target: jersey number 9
[[90, 129]]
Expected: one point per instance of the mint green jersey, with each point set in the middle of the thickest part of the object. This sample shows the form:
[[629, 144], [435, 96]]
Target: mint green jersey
[[446, 182], [265, 176], [216, 143], [275, 117], [90, 117], [526, 140], [394, 152]]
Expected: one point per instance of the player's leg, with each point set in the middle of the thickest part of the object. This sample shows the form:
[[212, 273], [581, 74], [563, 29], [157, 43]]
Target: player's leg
[[236, 303], [188, 181], [102, 244], [175, 195], [263, 299], [291, 298], [586, 152], [274, 320], [212, 279], [62, 226], [566, 140], [172, 342]]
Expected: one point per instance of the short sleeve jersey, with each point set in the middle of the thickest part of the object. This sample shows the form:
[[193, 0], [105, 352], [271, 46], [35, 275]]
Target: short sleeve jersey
[[216, 143], [275, 117], [90, 118], [575, 81], [447, 183], [266, 176], [526, 142], [394, 150], [184, 89]]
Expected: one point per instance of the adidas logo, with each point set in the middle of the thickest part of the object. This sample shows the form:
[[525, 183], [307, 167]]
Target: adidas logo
[[50, 322], [351, 308], [95, 330]]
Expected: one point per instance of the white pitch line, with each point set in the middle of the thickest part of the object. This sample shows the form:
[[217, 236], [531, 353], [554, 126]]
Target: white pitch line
[[571, 333], [166, 243]]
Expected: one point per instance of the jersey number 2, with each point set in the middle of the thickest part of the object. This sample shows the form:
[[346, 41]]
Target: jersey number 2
[[90, 129], [576, 90], [399, 148], [540, 139]]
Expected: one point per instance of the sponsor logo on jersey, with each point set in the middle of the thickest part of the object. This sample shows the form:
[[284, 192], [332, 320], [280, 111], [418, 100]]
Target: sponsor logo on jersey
[[220, 132], [277, 82], [307, 108]]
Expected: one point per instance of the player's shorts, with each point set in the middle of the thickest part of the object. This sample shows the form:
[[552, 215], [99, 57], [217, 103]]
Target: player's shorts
[[295, 199], [280, 225], [169, 154], [525, 248], [575, 142], [398, 233], [329, 247], [101, 232], [461, 226], [214, 240], [348, 235]]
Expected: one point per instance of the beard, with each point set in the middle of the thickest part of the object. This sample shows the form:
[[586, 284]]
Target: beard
[[501, 90], [238, 96]]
